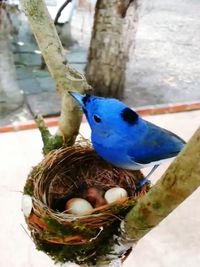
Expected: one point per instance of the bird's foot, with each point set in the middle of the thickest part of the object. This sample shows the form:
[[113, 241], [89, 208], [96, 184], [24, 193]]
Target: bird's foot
[[141, 183]]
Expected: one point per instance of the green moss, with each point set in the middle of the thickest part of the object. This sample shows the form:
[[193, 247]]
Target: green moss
[[28, 188], [75, 228], [60, 229], [52, 143], [84, 229], [80, 253], [86, 253]]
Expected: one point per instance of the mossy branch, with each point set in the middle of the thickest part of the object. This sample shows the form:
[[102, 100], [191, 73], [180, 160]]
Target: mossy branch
[[180, 180], [66, 78], [50, 141]]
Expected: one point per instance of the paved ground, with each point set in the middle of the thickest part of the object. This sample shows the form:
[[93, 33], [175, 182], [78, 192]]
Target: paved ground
[[163, 69], [175, 242]]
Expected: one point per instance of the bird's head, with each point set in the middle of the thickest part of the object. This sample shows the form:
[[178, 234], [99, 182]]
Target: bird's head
[[106, 115]]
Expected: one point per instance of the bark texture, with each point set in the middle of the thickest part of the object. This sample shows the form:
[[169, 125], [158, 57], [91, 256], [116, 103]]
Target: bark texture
[[114, 31], [180, 180], [65, 77]]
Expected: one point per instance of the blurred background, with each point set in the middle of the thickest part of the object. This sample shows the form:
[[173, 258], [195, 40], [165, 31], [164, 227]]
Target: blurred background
[[161, 50]]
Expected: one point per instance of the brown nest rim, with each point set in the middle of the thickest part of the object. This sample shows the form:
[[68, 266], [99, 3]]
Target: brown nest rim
[[69, 172]]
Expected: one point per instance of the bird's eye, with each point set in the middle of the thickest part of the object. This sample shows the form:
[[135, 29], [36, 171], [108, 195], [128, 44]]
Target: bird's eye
[[97, 118]]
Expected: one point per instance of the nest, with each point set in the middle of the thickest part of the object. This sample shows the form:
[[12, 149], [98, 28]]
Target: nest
[[68, 173]]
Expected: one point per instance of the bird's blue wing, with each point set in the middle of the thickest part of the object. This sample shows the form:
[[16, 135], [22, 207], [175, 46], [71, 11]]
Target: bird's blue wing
[[157, 144]]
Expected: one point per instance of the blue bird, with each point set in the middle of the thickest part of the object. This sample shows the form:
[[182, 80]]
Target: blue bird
[[120, 136]]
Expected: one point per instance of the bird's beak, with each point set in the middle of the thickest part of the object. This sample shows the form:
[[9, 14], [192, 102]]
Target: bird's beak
[[78, 97]]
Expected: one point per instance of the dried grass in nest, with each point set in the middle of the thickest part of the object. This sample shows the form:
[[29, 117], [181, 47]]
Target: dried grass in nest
[[62, 175]]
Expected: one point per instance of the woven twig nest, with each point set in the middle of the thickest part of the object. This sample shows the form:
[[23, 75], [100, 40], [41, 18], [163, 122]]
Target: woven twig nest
[[68, 173]]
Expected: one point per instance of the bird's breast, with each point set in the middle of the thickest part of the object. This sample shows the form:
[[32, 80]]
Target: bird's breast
[[115, 154]]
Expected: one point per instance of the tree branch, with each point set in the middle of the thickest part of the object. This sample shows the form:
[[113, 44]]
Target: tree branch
[[180, 180], [50, 142], [43, 63], [65, 77]]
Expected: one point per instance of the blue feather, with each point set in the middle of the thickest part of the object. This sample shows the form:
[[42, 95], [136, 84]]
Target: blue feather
[[120, 136], [156, 145]]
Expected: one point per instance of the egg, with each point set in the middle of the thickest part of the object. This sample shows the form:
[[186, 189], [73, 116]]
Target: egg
[[114, 194], [27, 205], [95, 196], [78, 206]]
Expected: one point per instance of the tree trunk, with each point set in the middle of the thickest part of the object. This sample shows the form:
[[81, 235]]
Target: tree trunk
[[113, 35], [11, 98]]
